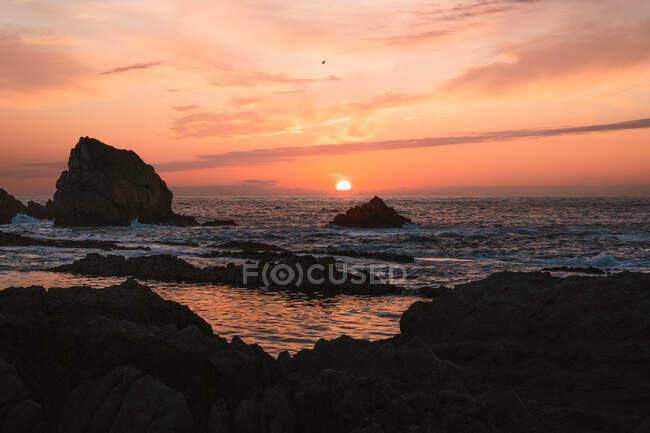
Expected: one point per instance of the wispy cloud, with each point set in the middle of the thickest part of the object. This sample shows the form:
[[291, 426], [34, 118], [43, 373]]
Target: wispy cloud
[[416, 37], [251, 79], [557, 58], [132, 67], [223, 124], [280, 120], [32, 170], [186, 108], [262, 182], [27, 67], [244, 100], [448, 21], [290, 153]]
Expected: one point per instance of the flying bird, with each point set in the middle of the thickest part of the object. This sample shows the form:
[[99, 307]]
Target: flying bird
[[323, 61]]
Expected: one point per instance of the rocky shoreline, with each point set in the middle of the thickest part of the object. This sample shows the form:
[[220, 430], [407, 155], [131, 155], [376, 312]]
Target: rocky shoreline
[[324, 276], [14, 240], [511, 353]]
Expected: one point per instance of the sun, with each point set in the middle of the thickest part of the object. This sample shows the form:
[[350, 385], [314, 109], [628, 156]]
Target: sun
[[343, 185]]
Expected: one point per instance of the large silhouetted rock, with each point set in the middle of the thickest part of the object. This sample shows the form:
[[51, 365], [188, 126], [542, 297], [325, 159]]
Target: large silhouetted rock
[[9, 207], [374, 214], [107, 186]]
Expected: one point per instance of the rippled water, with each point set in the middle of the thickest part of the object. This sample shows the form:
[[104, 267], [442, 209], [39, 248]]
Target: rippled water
[[453, 239]]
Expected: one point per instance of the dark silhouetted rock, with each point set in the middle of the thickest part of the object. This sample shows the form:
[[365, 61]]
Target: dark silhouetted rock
[[216, 223], [106, 186], [576, 270], [39, 211], [12, 239], [125, 400], [516, 352], [261, 251], [379, 255], [119, 359], [9, 207], [250, 246], [19, 413], [433, 291], [577, 345], [374, 214], [325, 277]]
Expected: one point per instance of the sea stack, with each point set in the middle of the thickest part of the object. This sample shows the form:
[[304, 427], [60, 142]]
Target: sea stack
[[105, 186], [374, 214]]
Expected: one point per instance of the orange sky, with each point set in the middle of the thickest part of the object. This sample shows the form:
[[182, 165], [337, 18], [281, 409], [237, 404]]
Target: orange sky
[[233, 95]]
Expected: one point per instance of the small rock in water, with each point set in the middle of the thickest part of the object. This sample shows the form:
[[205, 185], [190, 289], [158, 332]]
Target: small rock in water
[[216, 223], [576, 270], [374, 214]]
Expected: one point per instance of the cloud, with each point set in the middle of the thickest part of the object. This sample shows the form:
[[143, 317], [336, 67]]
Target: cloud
[[225, 124], [244, 100], [252, 79], [443, 18], [471, 10], [265, 182], [132, 67], [289, 92], [33, 170], [416, 37], [282, 120], [186, 108], [290, 153], [242, 188], [31, 67], [554, 58]]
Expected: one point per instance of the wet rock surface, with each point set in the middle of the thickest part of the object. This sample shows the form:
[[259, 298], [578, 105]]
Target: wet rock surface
[[512, 353], [12, 239], [292, 273], [374, 214]]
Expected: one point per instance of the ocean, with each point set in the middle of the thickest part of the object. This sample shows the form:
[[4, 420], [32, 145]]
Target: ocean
[[453, 240]]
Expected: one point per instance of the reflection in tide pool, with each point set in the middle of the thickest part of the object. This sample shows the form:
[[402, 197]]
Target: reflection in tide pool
[[276, 321]]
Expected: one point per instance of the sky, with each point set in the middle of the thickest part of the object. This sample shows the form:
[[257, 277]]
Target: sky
[[462, 97]]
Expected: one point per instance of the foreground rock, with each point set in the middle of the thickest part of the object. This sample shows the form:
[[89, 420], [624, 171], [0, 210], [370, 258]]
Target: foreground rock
[[105, 186], [374, 214], [516, 352], [13, 240], [575, 350], [289, 273], [118, 359]]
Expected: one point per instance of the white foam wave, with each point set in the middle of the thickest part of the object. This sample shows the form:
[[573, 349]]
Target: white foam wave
[[21, 218]]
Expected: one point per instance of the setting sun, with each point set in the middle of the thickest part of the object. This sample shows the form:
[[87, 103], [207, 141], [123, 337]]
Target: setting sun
[[343, 185]]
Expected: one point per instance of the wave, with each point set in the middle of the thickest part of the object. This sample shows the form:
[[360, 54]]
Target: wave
[[21, 218]]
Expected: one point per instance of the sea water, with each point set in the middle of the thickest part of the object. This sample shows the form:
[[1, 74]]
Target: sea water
[[453, 240]]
